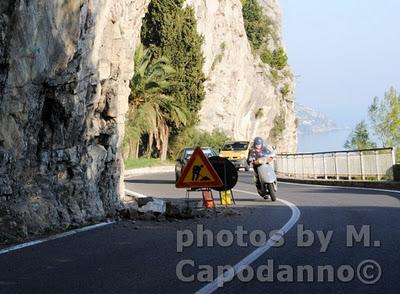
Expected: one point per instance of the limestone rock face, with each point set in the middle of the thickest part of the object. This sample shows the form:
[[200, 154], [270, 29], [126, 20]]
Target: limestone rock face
[[65, 68], [242, 95]]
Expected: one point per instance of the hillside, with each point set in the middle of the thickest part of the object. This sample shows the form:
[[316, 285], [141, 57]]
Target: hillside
[[312, 121]]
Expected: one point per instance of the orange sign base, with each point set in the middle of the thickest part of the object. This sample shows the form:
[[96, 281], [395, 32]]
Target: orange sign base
[[208, 200]]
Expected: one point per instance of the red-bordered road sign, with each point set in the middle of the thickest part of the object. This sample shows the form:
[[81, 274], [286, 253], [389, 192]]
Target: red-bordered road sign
[[198, 173]]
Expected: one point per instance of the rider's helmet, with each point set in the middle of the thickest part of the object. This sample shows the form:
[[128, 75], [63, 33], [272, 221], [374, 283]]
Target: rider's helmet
[[258, 141]]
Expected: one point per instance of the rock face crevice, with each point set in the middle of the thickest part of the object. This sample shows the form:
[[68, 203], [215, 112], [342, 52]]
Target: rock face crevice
[[64, 86]]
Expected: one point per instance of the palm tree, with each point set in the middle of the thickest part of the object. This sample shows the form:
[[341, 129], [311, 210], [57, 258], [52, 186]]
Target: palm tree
[[152, 108]]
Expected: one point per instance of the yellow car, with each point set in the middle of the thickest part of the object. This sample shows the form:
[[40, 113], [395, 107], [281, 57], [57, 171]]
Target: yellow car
[[237, 152]]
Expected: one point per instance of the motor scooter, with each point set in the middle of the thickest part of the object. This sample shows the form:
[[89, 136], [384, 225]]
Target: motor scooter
[[265, 177]]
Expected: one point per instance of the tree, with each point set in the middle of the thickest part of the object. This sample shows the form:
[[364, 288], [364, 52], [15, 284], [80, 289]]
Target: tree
[[385, 117], [171, 31], [152, 110], [191, 137], [255, 23], [359, 138]]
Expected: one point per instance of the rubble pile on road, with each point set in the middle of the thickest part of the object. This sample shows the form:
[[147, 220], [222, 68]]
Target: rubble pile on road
[[149, 208]]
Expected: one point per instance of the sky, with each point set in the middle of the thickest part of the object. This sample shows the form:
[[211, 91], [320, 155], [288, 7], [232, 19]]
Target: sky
[[343, 53]]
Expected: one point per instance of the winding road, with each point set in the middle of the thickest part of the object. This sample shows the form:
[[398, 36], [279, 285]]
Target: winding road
[[316, 240]]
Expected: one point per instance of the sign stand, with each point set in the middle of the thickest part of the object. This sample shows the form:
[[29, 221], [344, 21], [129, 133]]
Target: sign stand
[[202, 174], [231, 194], [199, 175], [228, 173], [230, 190], [207, 195]]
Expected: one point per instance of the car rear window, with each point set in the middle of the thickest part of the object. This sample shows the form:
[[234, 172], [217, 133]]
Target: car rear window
[[235, 146], [207, 152]]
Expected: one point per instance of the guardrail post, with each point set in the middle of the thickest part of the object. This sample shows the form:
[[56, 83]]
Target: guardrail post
[[336, 166], [313, 166], [362, 166], [393, 161], [287, 165], [378, 175], [393, 155], [302, 166], [348, 165], [324, 162]]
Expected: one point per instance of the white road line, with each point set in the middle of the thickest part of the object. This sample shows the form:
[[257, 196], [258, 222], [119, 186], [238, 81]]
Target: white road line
[[135, 194], [340, 187], [241, 265], [58, 236]]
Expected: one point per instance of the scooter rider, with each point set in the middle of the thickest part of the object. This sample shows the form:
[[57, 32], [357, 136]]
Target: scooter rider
[[258, 150]]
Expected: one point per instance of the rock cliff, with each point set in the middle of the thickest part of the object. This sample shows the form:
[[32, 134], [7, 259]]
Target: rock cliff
[[65, 68], [242, 95], [65, 71]]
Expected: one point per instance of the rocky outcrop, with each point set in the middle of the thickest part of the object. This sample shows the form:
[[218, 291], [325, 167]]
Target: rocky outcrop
[[243, 96], [64, 77], [65, 68]]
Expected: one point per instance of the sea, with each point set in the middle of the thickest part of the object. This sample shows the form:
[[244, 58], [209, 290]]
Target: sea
[[321, 142]]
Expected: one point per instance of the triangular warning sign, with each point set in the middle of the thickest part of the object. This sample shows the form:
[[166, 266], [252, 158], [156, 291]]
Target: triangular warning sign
[[198, 173]]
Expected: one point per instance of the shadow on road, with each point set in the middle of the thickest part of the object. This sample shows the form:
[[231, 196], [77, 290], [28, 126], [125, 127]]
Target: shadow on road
[[343, 191]]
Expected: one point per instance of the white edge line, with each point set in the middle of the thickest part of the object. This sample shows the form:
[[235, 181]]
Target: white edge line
[[340, 187], [58, 236], [135, 194], [249, 259]]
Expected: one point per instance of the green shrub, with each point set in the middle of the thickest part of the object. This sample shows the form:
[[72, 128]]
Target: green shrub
[[255, 23], [191, 137], [278, 128], [285, 90], [267, 57], [145, 162], [276, 59], [259, 30], [279, 59], [217, 60], [274, 75]]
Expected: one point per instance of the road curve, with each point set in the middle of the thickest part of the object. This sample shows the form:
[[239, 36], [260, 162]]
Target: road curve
[[144, 257], [339, 211]]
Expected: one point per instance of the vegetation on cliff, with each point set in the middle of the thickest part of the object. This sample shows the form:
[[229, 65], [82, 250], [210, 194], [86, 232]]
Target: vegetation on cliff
[[170, 30], [260, 32], [168, 84]]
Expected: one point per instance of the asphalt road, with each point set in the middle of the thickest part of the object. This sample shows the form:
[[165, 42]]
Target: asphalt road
[[143, 257]]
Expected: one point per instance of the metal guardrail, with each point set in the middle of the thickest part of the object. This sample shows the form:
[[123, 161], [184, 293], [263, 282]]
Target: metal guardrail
[[368, 164]]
